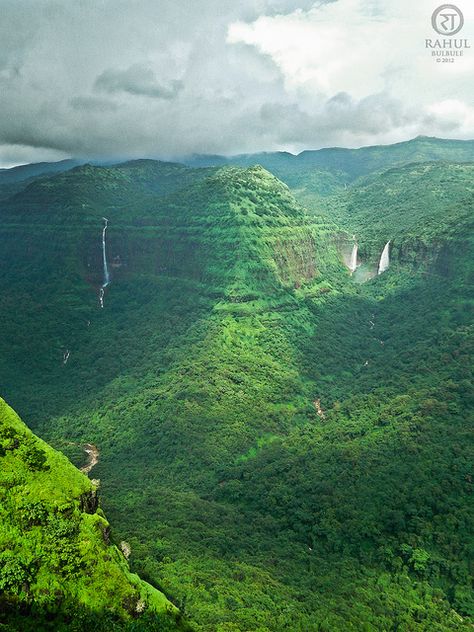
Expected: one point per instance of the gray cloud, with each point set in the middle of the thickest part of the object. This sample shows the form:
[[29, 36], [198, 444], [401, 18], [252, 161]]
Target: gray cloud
[[138, 80], [93, 104], [165, 74], [340, 116]]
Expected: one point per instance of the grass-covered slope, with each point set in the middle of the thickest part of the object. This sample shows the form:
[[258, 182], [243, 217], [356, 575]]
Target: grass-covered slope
[[58, 567], [283, 449]]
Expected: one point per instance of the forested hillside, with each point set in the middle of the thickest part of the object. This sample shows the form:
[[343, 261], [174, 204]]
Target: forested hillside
[[318, 173], [58, 567], [283, 446]]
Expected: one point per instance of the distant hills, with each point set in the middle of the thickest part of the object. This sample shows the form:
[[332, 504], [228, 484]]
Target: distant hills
[[312, 172], [26, 172], [353, 162], [323, 171]]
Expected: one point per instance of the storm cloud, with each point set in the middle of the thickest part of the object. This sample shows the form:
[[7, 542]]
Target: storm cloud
[[137, 80], [167, 78]]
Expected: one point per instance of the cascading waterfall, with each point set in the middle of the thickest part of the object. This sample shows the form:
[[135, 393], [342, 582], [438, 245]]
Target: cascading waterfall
[[106, 280], [384, 258], [104, 258], [353, 260]]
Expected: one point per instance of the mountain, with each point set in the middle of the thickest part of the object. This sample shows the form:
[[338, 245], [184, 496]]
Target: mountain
[[283, 447], [420, 207], [17, 178], [325, 171], [28, 172], [58, 567]]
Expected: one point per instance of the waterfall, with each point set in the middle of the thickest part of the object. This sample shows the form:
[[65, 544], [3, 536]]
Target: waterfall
[[353, 260], [104, 258], [384, 258], [106, 280]]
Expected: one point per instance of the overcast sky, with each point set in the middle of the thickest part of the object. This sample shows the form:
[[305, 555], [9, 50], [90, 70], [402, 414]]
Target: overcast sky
[[167, 78]]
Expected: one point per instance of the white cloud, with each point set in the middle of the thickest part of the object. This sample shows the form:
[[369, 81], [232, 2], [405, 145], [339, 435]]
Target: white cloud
[[372, 53], [452, 115]]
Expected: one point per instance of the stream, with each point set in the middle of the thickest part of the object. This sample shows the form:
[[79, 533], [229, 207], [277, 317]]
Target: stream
[[92, 452]]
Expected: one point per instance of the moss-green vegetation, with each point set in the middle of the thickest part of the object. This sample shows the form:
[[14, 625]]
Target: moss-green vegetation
[[57, 565], [419, 207], [315, 174], [282, 448]]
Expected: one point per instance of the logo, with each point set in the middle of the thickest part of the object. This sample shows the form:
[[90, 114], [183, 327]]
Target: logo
[[447, 19]]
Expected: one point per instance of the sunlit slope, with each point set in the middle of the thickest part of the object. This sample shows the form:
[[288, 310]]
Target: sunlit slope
[[57, 560]]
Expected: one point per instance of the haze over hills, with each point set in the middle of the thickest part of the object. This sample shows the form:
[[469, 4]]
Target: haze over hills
[[344, 164], [355, 162], [311, 173], [283, 446]]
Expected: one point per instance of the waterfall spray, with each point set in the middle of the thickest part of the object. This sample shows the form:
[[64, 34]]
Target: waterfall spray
[[384, 258], [106, 277]]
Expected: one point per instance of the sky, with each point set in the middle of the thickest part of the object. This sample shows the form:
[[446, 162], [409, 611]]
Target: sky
[[101, 79]]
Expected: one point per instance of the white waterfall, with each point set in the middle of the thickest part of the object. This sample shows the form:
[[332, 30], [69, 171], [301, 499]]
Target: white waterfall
[[106, 280], [384, 258], [353, 260], [104, 258]]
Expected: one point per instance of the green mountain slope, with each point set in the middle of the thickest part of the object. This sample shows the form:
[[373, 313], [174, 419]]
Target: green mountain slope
[[422, 208], [58, 567], [18, 178], [315, 173], [283, 448]]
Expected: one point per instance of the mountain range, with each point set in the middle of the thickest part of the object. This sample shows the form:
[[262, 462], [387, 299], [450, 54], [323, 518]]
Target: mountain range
[[282, 433]]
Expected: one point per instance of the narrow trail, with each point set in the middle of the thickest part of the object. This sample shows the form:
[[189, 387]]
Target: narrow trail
[[93, 453]]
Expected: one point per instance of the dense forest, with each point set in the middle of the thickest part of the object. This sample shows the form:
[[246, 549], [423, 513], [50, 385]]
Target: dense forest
[[284, 443], [58, 567]]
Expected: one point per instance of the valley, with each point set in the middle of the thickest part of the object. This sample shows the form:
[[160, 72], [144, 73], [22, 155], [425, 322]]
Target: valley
[[273, 355]]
